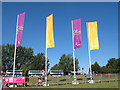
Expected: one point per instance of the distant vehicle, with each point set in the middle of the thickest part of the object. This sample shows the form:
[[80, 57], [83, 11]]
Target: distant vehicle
[[56, 73], [18, 73], [35, 73]]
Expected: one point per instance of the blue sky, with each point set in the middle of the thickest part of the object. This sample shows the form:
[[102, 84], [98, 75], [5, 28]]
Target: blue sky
[[106, 14]]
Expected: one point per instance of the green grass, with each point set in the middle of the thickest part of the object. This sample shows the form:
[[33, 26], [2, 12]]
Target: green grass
[[68, 79], [81, 85]]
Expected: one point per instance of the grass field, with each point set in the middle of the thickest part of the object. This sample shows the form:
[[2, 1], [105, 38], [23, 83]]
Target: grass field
[[65, 82], [68, 79], [113, 84]]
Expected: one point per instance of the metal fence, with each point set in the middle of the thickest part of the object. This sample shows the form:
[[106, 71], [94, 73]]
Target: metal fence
[[52, 80]]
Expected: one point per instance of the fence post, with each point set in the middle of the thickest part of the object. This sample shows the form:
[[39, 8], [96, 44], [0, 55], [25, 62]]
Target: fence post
[[57, 80], [101, 78], [109, 77], [25, 82], [84, 79], [115, 76]]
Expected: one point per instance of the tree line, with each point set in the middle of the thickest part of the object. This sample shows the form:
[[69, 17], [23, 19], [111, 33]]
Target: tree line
[[26, 60], [112, 66], [66, 64]]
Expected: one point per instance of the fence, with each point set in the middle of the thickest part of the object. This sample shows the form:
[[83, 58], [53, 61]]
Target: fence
[[33, 81]]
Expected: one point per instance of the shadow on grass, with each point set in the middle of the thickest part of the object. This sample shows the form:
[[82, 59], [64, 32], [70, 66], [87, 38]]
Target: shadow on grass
[[63, 80], [79, 79]]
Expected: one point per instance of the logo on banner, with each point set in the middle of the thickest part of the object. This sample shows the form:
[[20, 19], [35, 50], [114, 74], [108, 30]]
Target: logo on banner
[[76, 32], [10, 79], [20, 28], [49, 43], [77, 44]]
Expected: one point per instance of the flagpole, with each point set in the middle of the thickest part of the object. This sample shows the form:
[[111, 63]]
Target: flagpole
[[46, 67], [90, 65], [73, 54], [89, 54], [15, 48], [74, 64], [46, 58]]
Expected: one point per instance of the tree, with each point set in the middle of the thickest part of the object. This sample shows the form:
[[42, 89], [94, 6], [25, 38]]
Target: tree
[[7, 57], [55, 67], [103, 69], [25, 69], [118, 65], [39, 62], [24, 59], [24, 56], [96, 67], [112, 65], [66, 64]]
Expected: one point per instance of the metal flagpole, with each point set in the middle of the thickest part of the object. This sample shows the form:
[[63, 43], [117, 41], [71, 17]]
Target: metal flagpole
[[90, 65], [46, 58], [46, 67], [73, 54], [15, 48], [89, 54], [74, 64]]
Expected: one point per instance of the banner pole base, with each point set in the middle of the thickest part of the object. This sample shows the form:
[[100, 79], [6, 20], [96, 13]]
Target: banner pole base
[[75, 82], [91, 81], [46, 84]]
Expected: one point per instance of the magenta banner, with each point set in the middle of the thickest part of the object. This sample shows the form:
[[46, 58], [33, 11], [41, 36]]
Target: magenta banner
[[20, 24], [12, 80], [77, 33]]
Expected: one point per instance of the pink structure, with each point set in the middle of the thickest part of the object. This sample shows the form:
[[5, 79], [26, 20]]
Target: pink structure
[[13, 80]]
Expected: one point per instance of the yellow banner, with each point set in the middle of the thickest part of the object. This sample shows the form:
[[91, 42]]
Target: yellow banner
[[93, 35], [49, 32]]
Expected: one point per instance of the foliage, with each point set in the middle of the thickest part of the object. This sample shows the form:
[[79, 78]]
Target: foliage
[[55, 67], [113, 66], [96, 67], [25, 60], [66, 64], [39, 62]]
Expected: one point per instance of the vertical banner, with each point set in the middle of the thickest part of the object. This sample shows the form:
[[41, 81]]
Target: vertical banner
[[93, 35], [19, 31], [20, 28], [49, 40], [49, 32], [77, 33]]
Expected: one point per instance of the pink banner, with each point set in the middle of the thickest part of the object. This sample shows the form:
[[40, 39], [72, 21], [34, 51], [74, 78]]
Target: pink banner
[[77, 33], [11, 80], [20, 28]]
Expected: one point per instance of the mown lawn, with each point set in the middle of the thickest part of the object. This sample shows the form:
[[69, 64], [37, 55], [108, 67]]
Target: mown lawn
[[113, 84], [53, 80]]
